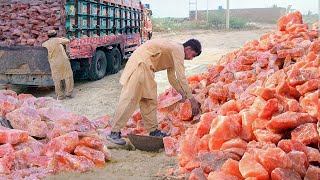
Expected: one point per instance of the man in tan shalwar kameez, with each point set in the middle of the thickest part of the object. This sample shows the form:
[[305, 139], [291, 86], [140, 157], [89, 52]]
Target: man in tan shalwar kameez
[[139, 86], [60, 65]]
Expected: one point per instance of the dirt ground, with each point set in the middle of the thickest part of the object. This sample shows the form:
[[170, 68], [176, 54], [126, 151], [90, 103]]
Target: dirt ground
[[99, 98]]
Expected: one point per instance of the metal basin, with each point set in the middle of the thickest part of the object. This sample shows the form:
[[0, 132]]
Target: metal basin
[[146, 143]]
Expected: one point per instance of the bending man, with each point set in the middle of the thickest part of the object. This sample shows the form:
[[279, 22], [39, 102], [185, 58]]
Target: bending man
[[139, 86]]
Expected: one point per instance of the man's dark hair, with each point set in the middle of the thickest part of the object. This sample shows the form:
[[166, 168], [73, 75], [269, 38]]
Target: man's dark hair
[[52, 35], [194, 44]]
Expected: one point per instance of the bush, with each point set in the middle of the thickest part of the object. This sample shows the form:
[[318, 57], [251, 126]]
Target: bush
[[216, 21]]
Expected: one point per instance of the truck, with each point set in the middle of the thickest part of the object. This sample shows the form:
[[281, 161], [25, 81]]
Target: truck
[[102, 33]]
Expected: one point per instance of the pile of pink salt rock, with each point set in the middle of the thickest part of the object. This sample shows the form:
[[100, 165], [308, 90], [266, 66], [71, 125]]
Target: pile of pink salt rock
[[47, 139], [260, 108]]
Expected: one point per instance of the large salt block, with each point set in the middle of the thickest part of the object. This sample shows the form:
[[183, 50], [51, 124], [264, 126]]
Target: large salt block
[[97, 157], [9, 93], [170, 146], [272, 158], [296, 27], [8, 104], [264, 45], [31, 173], [102, 122], [6, 149], [25, 96], [218, 92], [176, 131], [106, 152], [288, 104], [204, 143], [29, 120], [192, 164], [313, 154], [31, 145], [288, 145], [283, 87], [231, 167], [289, 120], [247, 60], [269, 109], [299, 162], [282, 23], [248, 117], [196, 77], [185, 112], [294, 52], [257, 106], [223, 128], [259, 124], [300, 76], [275, 79], [234, 143], [260, 145], [292, 105], [228, 106], [313, 172], [91, 142], [203, 127], [225, 59], [221, 175], [263, 92], [294, 17], [28, 159], [236, 151], [64, 162], [251, 43], [245, 103], [306, 133], [13, 136], [314, 47], [67, 143], [6, 163], [213, 160], [249, 167], [265, 135], [282, 174], [235, 88], [308, 86], [197, 174], [168, 98], [310, 104], [188, 149]]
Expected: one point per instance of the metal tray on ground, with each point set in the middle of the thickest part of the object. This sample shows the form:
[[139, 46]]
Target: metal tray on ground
[[146, 143]]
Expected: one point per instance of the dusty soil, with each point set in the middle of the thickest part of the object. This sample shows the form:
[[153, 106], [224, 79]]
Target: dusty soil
[[99, 98]]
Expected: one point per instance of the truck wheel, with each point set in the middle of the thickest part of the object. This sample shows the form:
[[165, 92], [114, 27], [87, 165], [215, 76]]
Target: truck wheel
[[114, 60], [98, 66]]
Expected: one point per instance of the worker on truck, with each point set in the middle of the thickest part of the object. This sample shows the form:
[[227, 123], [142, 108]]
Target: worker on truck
[[139, 86], [60, 65]]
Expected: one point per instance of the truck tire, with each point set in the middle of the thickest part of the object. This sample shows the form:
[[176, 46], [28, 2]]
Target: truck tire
[[98, 66], [114, 60]]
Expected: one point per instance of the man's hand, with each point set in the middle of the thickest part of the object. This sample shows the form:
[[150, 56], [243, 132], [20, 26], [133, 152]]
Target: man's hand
[[184, 97], [195, 107]]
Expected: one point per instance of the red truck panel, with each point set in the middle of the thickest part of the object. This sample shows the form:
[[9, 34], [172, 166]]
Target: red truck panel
[[86, 47]]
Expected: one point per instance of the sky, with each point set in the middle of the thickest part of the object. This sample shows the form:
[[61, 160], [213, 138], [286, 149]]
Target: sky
[[180, 8]]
